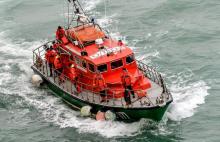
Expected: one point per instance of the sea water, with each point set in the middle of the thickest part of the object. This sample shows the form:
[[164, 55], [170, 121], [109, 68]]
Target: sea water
[[180, 38]]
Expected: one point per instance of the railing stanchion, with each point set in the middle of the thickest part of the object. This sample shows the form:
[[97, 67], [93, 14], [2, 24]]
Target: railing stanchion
[[33, 59], [113, 98], [54, 76], [106, 97], [81, 91], [93, 95], [43, 66], [46, 68], [99, 98], [156, 78], [67, 84], [87, 95], [38, 52], [61, 81], [71, 87], [122, 102]]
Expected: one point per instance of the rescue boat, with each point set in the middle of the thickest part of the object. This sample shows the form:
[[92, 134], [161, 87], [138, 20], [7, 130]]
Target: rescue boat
[[86, 67]]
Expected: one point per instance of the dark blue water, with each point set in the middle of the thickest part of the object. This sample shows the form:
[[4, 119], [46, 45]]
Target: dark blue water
[[179, 37]]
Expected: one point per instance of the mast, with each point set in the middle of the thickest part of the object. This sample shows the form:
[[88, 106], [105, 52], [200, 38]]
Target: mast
[[79, 15]]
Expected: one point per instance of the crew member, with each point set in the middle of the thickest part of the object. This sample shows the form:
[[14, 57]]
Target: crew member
[[55, 45], [60, 33], [58, 65], [78, 85], [126, 81], [120, 43], [71, 72], [99, 83], [50, 56]]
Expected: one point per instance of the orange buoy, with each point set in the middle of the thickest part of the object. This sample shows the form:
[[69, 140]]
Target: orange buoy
[[100, 116]]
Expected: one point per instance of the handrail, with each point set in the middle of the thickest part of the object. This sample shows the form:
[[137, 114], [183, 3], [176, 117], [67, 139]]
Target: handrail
[[153, 75], [149, 72]]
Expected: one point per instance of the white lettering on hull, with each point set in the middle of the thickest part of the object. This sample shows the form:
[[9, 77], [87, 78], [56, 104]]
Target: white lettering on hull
[[104, 52]]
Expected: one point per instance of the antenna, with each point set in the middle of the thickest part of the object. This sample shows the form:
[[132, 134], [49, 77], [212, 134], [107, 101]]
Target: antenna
[[82, 17], [79, 18]]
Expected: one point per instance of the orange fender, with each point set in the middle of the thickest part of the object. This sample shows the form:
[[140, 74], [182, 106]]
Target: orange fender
[[100, 116]]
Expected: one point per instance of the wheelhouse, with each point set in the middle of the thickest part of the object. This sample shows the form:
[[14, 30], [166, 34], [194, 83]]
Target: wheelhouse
[[105, 68], [106, 56]]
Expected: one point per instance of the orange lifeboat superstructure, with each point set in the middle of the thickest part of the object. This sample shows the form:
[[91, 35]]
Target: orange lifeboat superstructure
[[109, 58]]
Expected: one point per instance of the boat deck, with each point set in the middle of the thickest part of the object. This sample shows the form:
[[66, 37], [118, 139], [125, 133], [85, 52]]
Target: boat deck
[[148, 101]]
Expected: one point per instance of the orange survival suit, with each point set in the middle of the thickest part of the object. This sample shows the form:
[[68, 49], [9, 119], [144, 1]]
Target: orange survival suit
[[100, 85], [50, 57], [58, 65], [60, 33], [126, 82]]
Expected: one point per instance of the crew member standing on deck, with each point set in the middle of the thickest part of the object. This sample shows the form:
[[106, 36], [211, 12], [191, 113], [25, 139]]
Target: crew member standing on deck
[[126, 81], [60, 33], [72, 72], [58, 65], [55, 45], [50, 56], [99, 83]]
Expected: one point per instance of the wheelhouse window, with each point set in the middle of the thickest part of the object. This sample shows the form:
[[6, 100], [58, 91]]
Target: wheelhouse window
[[91, 67], [84, 64], [129, 59], [102, 68], [116, 64]]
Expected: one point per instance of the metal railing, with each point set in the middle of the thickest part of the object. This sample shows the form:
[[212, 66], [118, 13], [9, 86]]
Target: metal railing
[[156, 77], [153, 75], [91, 95]]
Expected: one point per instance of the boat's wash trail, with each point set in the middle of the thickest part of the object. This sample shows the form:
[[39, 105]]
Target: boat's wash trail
[[186, 96], [25, 105]]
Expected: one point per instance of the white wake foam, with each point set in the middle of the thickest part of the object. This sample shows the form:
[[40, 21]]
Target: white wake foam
[[187, 96], [66, 117], [53, 110]]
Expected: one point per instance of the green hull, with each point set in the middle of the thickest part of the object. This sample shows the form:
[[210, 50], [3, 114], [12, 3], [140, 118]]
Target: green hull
[[131, 114]]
